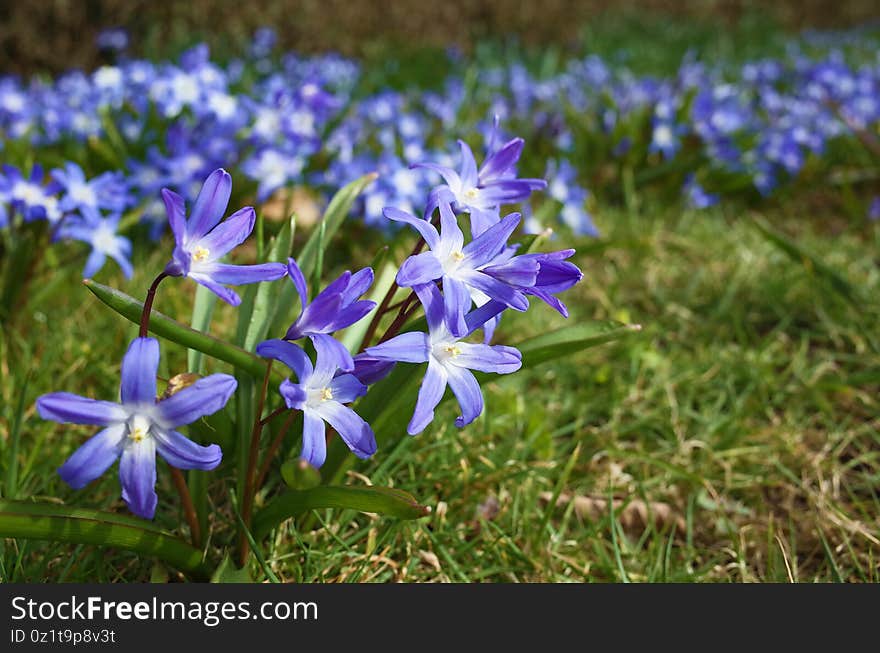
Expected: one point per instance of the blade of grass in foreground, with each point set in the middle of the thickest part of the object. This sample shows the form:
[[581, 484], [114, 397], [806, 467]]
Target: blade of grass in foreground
[[40, 521]]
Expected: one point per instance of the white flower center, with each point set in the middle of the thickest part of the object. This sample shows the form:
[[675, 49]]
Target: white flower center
[[316, 396], [200, 254], [104, 239], [444, 351], [83, 194], [139, 427]]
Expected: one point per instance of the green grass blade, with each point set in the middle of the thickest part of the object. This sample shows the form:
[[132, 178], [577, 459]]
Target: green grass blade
[[39, 521], [811, 262], [14, 438], [385, 501], [572, 339], [333, 218], [203, 310], [164, 326]]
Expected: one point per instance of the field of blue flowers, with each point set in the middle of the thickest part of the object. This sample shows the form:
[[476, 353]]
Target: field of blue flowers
[[676, 271]]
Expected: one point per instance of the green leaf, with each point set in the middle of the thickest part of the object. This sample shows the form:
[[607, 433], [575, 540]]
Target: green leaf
[[203, 309], [572, 339], [810, 262], [333, 218], [300, 475], [227, 572], [384, 501], [164, 326], [41, 521]]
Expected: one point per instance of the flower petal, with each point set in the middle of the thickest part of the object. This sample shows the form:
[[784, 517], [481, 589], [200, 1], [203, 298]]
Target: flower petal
[[501, 161], [288, 353], [226, 294], [449, 175], [482, 220], [352, 428], [299, 282], [229, 234], [468, 166], [346, 388], [181, 452], [69, 408], [450, 232], [175, 208], [358, 284], [139, 369], [432, 302], [430, 393], [137, 474], [484, 247], [483, 358], [456, 302], [314, 443], [210, 204], [419, 269], [369, 370], [93, 458], [94, 263], [204, 397], [410, 347], [495, 289], [331, 355], [466, 389], [238, 275], [425, 228]]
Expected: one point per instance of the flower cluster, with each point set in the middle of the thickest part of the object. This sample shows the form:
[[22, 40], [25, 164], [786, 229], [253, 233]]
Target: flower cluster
[[462, 287]]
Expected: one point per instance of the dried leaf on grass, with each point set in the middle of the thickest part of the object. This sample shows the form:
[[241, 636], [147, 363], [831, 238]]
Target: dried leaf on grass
[[633, 515]]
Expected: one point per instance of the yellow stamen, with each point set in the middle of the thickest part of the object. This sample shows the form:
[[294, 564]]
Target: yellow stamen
[[457, 256], [452, 350], [200, 254], [326, 394], [137, 435], [471, 193]]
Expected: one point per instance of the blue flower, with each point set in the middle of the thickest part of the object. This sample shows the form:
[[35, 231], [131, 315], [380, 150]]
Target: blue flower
[[202, 240], [139, 427], [29, 196], [481, 192], [697, 197], [320, 394], [99, 232], [460, 266], [334, 308], [106, 191], [449, 361]]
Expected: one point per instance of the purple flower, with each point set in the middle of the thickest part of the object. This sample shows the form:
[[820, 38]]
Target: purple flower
[[106, 191], [99, 232], [460, 266], [28, 195], [554, 274], [320, 394], [481, 192], [697, 197], [201, 240], [336, 307], [449, 361], [139, 427], [874, 209]]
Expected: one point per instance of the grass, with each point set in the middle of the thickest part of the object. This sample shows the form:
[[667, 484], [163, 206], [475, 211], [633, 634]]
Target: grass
[[735, 439]]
